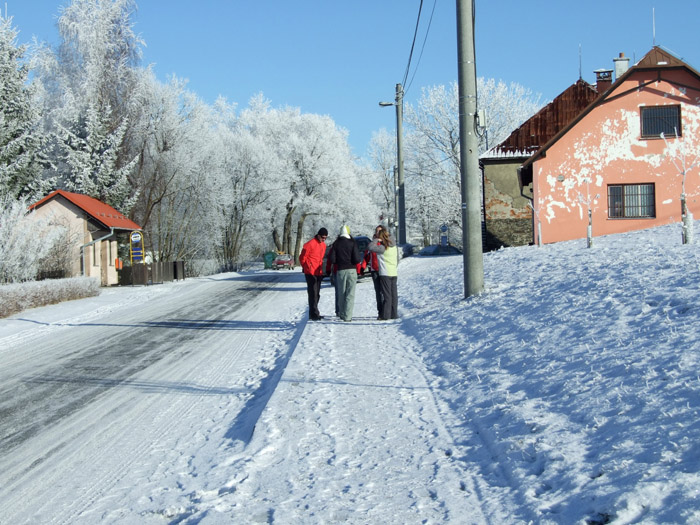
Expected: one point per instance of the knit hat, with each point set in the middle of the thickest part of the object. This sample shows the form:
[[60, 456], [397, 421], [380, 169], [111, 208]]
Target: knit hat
[[344, 232], [322, 232]]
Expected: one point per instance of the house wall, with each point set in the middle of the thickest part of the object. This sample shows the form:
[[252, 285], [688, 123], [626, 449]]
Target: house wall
[[606, 147], [79, 232], [71, 218], [508, 218]]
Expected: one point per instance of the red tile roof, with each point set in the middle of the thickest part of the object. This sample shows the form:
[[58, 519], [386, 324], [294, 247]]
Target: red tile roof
[[98, 210]]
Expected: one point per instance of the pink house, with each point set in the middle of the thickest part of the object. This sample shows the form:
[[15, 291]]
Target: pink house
[[622, 159]]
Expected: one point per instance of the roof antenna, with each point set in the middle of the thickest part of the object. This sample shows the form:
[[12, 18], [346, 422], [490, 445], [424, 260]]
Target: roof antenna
[[653, 27], [580, 74]]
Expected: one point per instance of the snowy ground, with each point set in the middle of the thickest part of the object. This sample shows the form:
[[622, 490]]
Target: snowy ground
[[567, 393]]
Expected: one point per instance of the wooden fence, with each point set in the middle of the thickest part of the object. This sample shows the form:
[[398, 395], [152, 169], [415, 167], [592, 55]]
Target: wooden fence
[[152, 273]]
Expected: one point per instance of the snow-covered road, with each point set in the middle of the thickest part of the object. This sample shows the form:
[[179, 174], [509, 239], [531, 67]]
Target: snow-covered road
[[119, 398], [215, 400]]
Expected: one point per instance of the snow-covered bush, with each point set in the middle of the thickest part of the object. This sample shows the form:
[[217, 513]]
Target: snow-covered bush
[[24, 240], [22, 296]]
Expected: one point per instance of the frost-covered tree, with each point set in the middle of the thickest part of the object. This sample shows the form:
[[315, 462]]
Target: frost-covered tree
[[382, 158], [317, 178], [684, 153], [432, 142], [98, 55], [88, 87], [505, 107], [21, 138], [180, 221], [91, 153], [24, 240], [156, 141], [245, 167]]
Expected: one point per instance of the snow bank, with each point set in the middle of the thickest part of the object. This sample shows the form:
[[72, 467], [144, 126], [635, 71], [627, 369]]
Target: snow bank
[[574, 377], [22, 296]]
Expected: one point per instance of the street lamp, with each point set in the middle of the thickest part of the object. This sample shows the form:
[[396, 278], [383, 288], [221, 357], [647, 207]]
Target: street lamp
[[399, 160]]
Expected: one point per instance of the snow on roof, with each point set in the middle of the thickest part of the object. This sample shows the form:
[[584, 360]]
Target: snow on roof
[[96, 209]]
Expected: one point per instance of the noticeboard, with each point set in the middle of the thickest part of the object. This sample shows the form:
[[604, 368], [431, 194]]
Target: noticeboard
[[136, 247]]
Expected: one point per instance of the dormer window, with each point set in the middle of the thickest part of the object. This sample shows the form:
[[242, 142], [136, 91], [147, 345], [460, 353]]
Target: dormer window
[[658, 120]]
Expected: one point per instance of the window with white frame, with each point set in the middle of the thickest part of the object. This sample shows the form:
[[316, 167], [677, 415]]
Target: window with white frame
[[658, 120], [631, 201]]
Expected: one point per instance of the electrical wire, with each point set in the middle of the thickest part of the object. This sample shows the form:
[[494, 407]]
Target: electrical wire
[[425, 39], [413, 44]]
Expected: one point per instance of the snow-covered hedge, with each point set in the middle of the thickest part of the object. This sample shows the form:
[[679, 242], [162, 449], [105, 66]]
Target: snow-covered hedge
[[21, 296]]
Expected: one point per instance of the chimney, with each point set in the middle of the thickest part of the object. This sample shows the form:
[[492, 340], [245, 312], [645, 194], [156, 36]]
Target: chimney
[[603, 80], [622, 64]]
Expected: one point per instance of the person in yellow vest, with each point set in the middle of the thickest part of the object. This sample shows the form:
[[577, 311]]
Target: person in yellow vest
[[388, 262]]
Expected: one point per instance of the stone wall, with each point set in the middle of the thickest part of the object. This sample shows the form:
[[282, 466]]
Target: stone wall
[[507, 232]]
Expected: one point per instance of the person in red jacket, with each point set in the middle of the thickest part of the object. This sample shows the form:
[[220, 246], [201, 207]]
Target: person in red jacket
[[311, 260]]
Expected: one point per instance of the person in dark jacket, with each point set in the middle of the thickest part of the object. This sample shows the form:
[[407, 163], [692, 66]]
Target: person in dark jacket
[[311, 260], [345, 256]]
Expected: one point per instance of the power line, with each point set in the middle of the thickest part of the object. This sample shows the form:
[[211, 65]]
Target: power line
[[413, 44], [425, 39]]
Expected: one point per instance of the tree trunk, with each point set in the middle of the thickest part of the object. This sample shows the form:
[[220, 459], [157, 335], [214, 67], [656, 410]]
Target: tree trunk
[[687, 217], [300, 235], [287, 233], [276, 239]]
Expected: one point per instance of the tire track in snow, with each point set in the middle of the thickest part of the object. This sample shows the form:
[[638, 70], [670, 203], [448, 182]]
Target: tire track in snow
[[86, 369], [79, 426], [168, 418]]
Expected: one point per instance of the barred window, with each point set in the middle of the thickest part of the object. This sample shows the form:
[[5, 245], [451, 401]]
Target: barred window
[[661, 119], [627, 201]]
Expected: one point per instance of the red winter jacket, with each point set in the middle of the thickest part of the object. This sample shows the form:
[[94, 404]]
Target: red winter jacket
[[311, 257], [371, 261]]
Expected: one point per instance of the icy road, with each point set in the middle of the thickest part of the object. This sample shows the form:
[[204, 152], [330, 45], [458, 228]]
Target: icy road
[[215, 401]]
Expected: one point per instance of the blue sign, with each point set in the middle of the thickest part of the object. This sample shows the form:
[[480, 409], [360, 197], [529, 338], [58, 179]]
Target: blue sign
[[136, 247]]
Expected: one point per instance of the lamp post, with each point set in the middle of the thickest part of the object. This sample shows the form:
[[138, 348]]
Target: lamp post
[[399, 160]]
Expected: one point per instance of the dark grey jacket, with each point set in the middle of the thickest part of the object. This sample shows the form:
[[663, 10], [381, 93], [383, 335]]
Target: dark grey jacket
[[345, 254]]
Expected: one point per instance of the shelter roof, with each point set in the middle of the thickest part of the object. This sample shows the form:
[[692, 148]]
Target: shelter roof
[[96, 209]]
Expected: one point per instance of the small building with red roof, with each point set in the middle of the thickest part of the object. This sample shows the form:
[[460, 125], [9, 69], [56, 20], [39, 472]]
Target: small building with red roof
[[92, 227]]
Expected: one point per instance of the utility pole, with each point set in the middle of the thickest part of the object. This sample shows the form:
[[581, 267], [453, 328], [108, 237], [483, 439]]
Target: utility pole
[[401, 211], [399, 160], [469, 151]]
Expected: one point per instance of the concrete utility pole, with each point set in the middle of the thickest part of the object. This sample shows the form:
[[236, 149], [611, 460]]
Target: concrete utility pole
[[399, 161], [469, 151]]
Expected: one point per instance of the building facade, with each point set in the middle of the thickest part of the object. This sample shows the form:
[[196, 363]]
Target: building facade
[[91, 229]]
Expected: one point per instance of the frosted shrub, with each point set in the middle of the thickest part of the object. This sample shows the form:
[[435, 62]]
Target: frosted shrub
[[24, 241], [22, 296]]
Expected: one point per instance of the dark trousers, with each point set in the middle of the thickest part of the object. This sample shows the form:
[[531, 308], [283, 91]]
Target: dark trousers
[[378, 292], [313, 288], [390, 294]]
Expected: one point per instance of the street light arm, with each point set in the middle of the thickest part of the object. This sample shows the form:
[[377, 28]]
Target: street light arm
[[384, 104]]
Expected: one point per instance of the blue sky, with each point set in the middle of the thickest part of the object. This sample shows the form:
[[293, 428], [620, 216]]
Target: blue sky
[[341, 58]]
